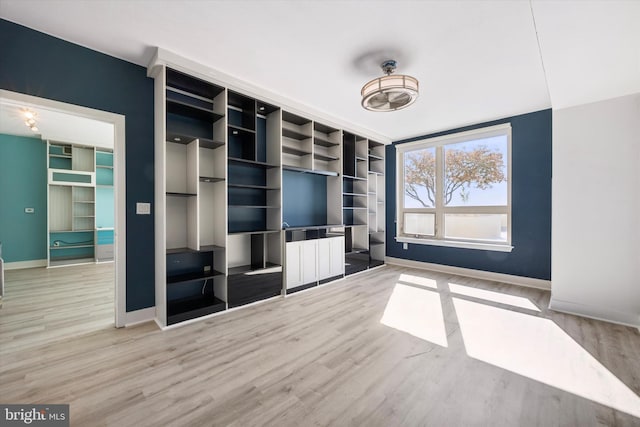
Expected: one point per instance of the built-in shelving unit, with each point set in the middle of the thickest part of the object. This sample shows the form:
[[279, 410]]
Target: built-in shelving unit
[[80, 204], [233, 172], [71, 204], [191, 143], [376, 204], [355, 203], [255, 200]]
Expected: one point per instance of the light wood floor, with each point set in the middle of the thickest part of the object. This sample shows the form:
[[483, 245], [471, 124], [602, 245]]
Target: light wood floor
[[46, 305], [391, 347]]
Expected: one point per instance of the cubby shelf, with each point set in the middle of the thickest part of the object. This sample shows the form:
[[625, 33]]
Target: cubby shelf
[[208, 248], [354, 178], [324, 142], [184, 109], [305, 170], [210, 179], [240, 129], [252, 162], [193, 307], [255, 187], [243, 269], [253, 207], [325, 157], [186, 139], [357, 251], [374, 157], [187, 83], [294, 134], [295, 151], [71, 246], [191, 277], [240, 233], [175, 194]]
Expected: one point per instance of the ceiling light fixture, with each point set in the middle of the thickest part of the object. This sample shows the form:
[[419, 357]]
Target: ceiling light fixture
[[30, 119], [390, 92]]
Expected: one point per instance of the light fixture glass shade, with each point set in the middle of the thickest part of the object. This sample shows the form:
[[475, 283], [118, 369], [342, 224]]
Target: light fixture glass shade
[[390, 93]]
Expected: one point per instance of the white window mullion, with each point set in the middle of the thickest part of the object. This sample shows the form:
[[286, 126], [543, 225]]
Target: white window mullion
[[439, 193]]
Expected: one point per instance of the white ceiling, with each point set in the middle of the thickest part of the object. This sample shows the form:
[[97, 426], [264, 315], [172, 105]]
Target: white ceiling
[[54, 125], [476, 61]]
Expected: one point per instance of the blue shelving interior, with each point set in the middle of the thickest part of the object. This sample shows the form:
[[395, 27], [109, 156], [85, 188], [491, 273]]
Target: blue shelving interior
[[247, 168], [304, 199], [190, 112], [69, 244]]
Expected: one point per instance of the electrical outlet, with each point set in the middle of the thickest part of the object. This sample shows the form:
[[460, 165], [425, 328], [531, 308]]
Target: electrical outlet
[[207, 268], [405, 246]]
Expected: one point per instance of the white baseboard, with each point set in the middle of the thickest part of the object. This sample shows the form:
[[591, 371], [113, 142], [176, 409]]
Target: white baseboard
[[140, 316], [476, 274], [598, 313], [19, 265]]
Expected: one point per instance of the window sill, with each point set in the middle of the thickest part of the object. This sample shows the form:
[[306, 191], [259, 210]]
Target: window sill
[[498, 247]]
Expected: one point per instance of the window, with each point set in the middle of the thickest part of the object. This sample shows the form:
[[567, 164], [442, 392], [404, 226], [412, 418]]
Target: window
[[455, 190]]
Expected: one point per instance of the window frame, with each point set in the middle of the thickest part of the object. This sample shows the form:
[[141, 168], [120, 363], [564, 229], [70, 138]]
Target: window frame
[[440, 210]]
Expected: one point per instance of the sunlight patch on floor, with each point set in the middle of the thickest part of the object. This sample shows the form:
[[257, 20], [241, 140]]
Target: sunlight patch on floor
[[417, 312], [419, 281], [498, 297], [539, 349]]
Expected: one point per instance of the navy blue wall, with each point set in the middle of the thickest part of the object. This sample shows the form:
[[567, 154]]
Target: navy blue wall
[[530, 205], [41, 65], [304, 199]]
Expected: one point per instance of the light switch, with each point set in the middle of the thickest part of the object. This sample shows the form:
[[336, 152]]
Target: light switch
[[143, 208], [405, 246], [29, 210]]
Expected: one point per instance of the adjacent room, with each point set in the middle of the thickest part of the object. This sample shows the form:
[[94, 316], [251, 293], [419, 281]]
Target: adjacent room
[[372, 213]]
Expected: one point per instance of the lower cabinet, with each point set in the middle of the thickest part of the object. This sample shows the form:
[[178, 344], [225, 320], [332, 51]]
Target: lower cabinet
[[302, 266], [330, 257], [254, 286], [311, 261]]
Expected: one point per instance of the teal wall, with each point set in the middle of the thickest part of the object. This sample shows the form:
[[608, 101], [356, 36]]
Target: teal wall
[[104, 207], [23, 184]]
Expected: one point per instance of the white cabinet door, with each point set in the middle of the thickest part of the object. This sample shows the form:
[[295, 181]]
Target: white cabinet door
[[309, 261], [324, 259], [330, 257], [293, 264], [336, 256]]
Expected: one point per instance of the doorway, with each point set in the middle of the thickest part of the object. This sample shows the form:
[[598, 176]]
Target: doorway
[[81, 119]]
